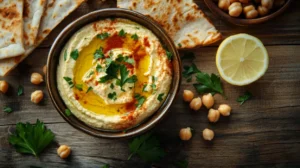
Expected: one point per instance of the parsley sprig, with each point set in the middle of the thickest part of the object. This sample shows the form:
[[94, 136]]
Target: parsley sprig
[[124, 77], [103, 36], [140, 99], [189, 71], [7, 109], [242, 99], [208, 83], [99, 53], [74, 54]]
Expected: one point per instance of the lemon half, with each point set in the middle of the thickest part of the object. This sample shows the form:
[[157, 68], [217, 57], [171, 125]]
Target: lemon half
[[242, 59]]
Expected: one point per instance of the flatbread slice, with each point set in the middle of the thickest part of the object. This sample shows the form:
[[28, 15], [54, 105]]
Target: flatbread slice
[[11, 28], [185, 23], [56, 11], [33, 12]]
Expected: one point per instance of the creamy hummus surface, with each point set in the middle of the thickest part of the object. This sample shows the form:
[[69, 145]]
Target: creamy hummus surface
[[114, 73]]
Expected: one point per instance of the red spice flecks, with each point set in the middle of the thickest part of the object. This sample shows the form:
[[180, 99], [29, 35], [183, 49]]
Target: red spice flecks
[[96, 83], [84, 102], [76, 97], [138, 54], [130, 107], [146, 42], [114, 41]]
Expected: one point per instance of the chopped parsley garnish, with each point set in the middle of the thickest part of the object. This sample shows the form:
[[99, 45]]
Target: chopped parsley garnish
[[103, 36], [126, 59], [189, 71], [89, 89], [160, 97], [74, 54], [169, 55], [20, 90], [144, 88], [244, 98], [135, 36], [153, 86], [106, 166], [188, 56], [112, 86], [31, 138], [112, 96], [65, 55], [208, 84], [99, 68], [124, 77], [79, 86], [122, 33], [7, 109], [99, 53], [68, 112], [91, 73], [111, 71], [69, 81], [179, 45], [140, 100]]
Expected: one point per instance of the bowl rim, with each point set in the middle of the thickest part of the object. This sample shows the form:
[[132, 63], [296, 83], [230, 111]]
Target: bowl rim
[[86, 19], [241, 21]]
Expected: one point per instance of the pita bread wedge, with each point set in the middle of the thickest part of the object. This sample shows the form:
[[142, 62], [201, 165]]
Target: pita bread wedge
[[33, 11], [11, 28], [56, 11], [185, 23]]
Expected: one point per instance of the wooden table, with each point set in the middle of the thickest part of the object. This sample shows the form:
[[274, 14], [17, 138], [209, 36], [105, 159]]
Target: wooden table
[[265, 131]]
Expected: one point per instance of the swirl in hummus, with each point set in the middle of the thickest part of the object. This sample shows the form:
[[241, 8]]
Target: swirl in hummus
[[114, 73]]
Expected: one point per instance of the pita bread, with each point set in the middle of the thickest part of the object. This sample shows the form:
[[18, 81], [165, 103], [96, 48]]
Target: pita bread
[[33, 11], [185, 23], [56, 11], [11, 29]]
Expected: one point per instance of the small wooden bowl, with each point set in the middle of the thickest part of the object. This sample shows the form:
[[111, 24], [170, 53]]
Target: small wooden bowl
[[241, 21]]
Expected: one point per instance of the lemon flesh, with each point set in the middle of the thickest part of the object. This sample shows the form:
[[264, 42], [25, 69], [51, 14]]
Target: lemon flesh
[[242, 59]]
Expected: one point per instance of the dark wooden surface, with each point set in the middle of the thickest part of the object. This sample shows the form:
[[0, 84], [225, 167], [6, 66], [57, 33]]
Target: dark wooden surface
[[263, 132]]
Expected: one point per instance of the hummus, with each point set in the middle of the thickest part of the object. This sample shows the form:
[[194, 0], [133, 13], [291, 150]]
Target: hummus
[[113, 74]]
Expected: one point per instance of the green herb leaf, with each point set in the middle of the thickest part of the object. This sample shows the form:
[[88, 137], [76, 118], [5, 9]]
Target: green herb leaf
[[20, 90], [160, 97], [112, 86], [122, 33], [208, 84], [99, 54], [124, 77], [31, 138], [135, 36], [68, 112], [111, 71], [74, 54], [146, 147], [126, 59], [169, 55], [65, 55], [189, 71], [182, 164], [244, 98], [144, 87], [91, 73], [89, 89], [112, 96], [79, 87], [99, 68], [103, 36], [7, 109], [153, 85], [69, 81], [106, 166], [188, 56], [140, 100], [179, 45]]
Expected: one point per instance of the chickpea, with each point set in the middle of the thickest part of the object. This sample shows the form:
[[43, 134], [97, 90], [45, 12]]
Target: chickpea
[[208, 100], [262, 10], [45, 69], [196, 104], [235, 9], [224, 4], [213, 115], [250, 12], [3, 86], [224, 109], [278, 3], [267, 3], [188, 95], [37, 96], [63, 151], [208, 134], [36, 78], [185, 134], [244, 1]]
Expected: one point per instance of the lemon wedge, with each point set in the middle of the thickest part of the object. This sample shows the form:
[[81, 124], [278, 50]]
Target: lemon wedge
[[242, 59]]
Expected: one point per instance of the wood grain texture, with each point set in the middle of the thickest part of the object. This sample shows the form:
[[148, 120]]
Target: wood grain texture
[[264, 132]]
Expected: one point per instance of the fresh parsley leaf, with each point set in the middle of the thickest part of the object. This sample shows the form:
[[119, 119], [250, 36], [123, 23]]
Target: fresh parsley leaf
[[169, 55], [135, 37], [69, 81], [106, 166], [112, 86], [146, 147], [65, 55], [112, 96], [160, 97], [122, 33], [124, 77], [179, 45], [74, 54], [126, 59], [144, 87], [99, 68], [103, 36], [111, 71], [68, 112], [182, 164], [189, 71], [208, 84], [20, 90], [140, 100], [91, 73], [31, 138], [79, 87], [153, 85], [188, 56], [89, 89], [99, 53], [7, 109], [244, 98]]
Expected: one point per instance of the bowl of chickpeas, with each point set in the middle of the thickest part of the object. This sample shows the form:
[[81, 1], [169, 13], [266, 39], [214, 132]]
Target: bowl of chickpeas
[[247, 12]]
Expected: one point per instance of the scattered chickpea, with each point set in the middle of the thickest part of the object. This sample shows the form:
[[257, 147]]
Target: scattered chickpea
[[45, 69], [36, 78], [63, 151], [267, 3], [250, 12], [224, 4], [208, 134], [224, 109], [213, 115], [37, 96], [262, 10], [196, 104], [208, 100], [244, 1], [188, 95], [185, 134], [3, 86], [235, 9]]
